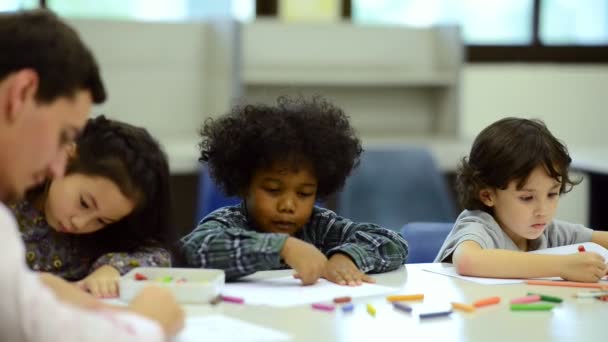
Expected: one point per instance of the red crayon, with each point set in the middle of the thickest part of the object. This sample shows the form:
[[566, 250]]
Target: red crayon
[[139, 276]]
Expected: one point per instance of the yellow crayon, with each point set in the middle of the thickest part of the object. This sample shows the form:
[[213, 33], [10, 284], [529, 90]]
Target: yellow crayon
[[463, 307], [398, 298], [371, 310]]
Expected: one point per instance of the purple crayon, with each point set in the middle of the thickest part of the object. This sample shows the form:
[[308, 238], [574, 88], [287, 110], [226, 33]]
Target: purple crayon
[[435, 314], [402, 307]]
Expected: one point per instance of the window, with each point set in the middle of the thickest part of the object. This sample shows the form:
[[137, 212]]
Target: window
[[506, 30], [571, 22], [483, 22], [154, 10], [14, 5]]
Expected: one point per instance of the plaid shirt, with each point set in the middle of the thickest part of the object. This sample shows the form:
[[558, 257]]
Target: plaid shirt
[[226, 239]]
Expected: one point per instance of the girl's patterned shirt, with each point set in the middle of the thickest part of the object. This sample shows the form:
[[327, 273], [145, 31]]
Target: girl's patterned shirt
[[61, 254]]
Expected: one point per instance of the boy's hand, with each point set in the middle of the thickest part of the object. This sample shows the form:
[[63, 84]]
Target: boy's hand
[[158, 304], [102, 283], [342, 270], [586, 266], [306, 260]]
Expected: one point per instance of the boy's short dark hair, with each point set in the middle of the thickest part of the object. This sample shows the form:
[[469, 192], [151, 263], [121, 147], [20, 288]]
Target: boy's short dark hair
[[507, 150], [295, 130], [39, 40]]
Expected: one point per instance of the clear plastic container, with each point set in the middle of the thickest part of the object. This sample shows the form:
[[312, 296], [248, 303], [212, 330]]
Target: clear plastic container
[[189, 285]]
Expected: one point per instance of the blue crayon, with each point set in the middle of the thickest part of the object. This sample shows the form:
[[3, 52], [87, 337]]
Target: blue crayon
[[348, 307], [402, 307], [435, 314]]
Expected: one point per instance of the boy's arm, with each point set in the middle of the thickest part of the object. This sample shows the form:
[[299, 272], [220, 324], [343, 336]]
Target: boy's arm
[[472, 260], [372, 248], [236, 250], [601, 238]]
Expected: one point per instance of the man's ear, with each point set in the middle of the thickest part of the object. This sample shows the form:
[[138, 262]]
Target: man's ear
[[72, 150], [21, 88], [487, 196]]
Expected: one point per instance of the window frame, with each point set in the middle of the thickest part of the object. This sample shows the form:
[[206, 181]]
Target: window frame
[[535, 52]]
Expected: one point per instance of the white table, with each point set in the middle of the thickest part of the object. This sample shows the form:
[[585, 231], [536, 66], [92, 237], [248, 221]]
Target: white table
[[573, 320]]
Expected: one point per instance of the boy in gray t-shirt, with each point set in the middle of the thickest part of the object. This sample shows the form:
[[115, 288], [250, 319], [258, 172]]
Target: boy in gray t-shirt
[[510, 187]]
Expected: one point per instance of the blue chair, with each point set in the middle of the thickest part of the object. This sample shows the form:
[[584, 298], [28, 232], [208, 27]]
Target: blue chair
[[210, 196], [393, 186], [424, 240]]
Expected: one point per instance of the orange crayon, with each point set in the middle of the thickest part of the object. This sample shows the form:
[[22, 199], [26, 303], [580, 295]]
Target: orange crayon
[[486, 302], [601, 286]]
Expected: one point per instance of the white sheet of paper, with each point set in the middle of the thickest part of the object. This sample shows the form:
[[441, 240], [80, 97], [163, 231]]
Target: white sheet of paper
[[571, 249], [223, 328], [287, 291], [450, 271]]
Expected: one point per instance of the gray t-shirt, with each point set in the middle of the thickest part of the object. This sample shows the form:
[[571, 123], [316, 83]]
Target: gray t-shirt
[[479, 226]]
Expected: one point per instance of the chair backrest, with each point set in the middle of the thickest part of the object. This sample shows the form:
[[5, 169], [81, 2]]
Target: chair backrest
[[394, 186], [425, 239], [210, 196]]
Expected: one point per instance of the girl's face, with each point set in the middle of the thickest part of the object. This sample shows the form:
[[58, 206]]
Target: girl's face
[[279, 199], [81, 204], [524, 213]]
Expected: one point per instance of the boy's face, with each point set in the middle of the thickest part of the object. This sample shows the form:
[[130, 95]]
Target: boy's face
[[524, 213], [279, 199], [81, 204], [35, 136]]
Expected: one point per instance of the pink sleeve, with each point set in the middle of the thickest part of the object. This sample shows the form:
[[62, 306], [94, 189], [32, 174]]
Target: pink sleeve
[[30, 312]]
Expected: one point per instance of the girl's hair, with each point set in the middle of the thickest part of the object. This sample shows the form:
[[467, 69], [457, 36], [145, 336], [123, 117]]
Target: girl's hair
[[131, 158], [508, 150], [294, 130]]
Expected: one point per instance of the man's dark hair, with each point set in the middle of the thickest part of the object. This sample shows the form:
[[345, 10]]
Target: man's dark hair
[[40, 41]]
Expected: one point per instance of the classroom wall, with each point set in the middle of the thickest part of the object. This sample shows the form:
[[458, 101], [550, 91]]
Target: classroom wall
[[571, 99], [172, 103]]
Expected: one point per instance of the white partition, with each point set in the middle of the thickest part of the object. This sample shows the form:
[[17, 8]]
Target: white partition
[[167, 77], [394, 82]]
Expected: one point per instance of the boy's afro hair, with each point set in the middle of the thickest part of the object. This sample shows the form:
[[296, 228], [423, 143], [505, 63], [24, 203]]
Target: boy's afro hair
[[296, 130]]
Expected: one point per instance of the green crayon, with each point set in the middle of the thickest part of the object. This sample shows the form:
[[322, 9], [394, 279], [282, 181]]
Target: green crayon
[[531, 307], [546, 298]]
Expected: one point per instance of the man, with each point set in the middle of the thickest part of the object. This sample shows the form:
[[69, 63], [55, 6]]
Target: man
[[48, 83]]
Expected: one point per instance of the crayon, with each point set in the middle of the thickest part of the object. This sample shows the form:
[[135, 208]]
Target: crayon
[[397, 298], [348, 307], [567, 284], [546, 298], [342, 300], [463, 307], [486, 302], [371, 310], [531, 307], [434, 314], [402, 307], [526, 299], [235, 300], [323, 307]]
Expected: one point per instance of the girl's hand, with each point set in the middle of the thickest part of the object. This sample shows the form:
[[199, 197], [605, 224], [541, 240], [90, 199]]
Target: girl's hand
[[342, 270], [102, 283], [306, 260], [586, 266]]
